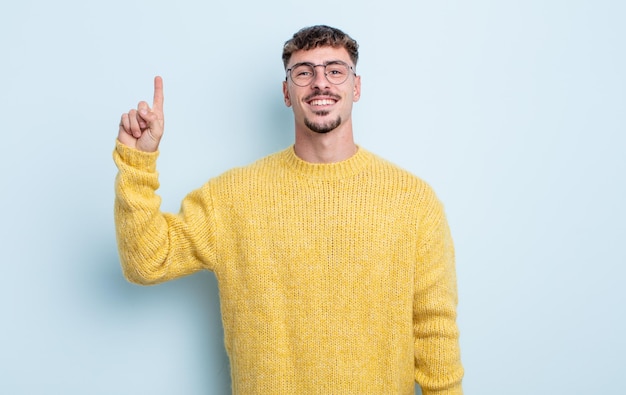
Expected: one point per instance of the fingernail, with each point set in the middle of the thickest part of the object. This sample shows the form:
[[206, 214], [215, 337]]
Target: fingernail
[[143, 111]]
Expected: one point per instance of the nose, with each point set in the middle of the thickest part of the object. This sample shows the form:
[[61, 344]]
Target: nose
[[319, 79]]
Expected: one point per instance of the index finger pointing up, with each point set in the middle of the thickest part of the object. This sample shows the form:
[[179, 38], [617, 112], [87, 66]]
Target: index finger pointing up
[[157, 103]]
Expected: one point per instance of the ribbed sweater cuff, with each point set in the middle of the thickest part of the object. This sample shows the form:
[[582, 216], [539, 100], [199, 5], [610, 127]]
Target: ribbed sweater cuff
[[140, 160]]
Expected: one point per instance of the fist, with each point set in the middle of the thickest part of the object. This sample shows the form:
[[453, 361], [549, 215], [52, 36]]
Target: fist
[[142, 128]]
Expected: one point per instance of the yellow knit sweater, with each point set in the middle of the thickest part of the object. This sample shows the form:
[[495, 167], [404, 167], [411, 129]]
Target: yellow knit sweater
[[334, 278]]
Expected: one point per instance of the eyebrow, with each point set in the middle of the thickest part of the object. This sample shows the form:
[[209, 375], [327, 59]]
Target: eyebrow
[[313, 64]]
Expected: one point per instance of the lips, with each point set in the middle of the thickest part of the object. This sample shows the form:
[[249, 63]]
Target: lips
[[322, 102], [321, 99]]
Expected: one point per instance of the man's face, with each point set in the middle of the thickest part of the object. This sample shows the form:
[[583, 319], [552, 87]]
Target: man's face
[[322, 107]]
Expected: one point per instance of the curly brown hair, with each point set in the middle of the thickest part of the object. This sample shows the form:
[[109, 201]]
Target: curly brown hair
[[320, 36]]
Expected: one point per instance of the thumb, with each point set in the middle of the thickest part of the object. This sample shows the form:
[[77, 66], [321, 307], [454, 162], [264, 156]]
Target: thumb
[[152, 126], [152, 116]]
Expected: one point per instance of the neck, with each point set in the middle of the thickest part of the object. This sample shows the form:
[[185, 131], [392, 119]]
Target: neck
[[335, 146]]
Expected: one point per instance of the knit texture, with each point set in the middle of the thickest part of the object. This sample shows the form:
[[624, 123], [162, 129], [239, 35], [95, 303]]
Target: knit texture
[[334, 278]]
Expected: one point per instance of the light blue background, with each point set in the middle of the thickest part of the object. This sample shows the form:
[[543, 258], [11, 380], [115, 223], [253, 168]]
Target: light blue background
[[513, 110]]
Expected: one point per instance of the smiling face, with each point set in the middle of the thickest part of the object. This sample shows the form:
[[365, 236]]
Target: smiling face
[[322, 107]]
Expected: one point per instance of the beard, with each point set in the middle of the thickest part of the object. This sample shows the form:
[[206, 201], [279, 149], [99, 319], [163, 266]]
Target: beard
[[322, 128]]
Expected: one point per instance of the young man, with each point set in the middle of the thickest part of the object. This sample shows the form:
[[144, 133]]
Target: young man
[[335, 267]]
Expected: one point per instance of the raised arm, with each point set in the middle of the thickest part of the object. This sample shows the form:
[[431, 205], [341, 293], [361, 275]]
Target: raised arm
[[155, 246]]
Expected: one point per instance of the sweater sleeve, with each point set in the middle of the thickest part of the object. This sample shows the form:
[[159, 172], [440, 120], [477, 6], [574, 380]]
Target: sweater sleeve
[[438, 367], [153, 246]]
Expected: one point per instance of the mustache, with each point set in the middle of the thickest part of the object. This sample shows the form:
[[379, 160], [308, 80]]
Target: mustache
[[322, 94]]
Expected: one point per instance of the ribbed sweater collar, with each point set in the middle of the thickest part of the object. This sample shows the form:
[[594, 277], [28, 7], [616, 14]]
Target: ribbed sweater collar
[[338, 170]]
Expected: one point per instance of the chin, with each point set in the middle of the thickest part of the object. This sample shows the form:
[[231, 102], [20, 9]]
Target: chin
[[322, 128]]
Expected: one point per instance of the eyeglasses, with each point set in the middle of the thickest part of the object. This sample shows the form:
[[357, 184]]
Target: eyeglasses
[[336, 72]]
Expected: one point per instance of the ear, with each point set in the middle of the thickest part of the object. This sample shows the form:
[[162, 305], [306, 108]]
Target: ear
[[356, 92], [286, 94]]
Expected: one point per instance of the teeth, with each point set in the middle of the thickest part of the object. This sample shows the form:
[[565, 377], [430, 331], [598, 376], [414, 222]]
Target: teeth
[[322, 102]]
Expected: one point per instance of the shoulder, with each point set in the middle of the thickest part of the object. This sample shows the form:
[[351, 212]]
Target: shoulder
[[393, 175], [407, 190], [245, 177], [270, 163]]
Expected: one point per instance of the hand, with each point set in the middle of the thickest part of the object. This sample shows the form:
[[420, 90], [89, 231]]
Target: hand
[[142, 128]]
